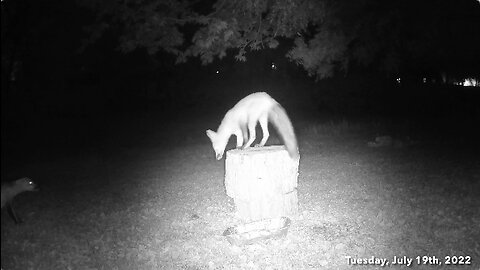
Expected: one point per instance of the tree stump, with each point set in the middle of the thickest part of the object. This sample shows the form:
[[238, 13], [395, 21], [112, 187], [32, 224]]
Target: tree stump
[[262, 182]]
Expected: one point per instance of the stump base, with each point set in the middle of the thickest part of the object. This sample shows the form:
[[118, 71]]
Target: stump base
[[262, 181]]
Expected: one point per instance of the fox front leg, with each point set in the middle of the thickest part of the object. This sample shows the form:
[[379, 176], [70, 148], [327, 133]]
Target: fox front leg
[[245, 133], [264, 125], [12, 214], [252, 133], [239, 135]]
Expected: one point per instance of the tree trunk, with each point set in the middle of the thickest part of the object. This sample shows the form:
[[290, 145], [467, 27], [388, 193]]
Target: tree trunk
[[262, 182]]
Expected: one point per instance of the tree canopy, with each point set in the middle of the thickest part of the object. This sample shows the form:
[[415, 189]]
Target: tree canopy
[[325, 35]]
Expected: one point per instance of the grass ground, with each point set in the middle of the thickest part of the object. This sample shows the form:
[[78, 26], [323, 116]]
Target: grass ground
[[150, 195]]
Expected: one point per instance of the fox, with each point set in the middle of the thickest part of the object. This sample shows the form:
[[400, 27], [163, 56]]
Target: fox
[[242, 119], [12, 189]]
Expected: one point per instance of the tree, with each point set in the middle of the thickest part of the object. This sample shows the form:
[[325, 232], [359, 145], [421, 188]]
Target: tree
[[187, 28], [327, 35]]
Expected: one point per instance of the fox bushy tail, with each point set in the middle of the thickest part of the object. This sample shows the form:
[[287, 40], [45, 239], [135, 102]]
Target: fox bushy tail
[[279, 118]]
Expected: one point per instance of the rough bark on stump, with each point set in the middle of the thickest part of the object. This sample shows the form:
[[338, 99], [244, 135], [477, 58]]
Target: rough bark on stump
[[262, 181]]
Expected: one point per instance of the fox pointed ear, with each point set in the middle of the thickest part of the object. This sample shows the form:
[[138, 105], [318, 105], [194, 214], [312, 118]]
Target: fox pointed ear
[[211, 134]]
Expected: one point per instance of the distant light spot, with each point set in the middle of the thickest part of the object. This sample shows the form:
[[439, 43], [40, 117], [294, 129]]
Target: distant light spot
[[471, 82], [399, 80], [273, 66]]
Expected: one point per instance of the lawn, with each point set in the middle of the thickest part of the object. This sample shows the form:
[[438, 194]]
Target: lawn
[[148, 194]]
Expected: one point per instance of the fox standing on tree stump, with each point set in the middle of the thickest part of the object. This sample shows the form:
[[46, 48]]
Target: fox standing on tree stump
[[255, 108]]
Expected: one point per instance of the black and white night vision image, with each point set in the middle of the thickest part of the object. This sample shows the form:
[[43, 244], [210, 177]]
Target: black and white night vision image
[[240, 134]]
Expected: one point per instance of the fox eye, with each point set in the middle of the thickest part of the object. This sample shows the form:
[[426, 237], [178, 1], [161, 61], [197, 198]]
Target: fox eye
[[30, 183]]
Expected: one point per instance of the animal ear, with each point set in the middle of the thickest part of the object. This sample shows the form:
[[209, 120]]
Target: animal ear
[[211, 134]]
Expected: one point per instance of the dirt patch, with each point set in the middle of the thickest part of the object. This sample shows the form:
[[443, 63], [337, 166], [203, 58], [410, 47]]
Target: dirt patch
[[164, 206]]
